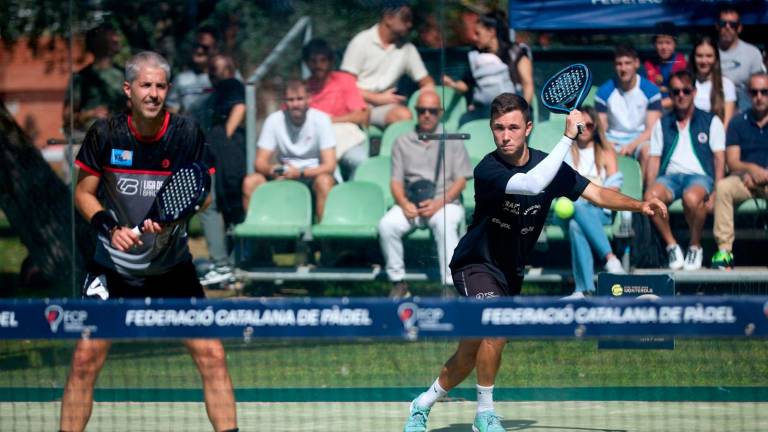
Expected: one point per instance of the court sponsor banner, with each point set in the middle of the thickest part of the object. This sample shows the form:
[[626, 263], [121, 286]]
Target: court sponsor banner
[[650, 287], [359, 318], [623, 14]]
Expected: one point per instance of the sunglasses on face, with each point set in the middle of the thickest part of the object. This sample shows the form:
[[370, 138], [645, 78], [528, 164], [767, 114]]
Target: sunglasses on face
[[760, 91], [681, 91], [205, 48], [732, 24], [423, 110], [589, 126]]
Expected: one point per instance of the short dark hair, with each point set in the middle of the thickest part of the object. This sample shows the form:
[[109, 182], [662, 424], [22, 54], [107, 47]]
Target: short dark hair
[[624, 51], [683, 75], [508, 102], [728, 7], [389, 7], [207, 29], [315, 47], [293, 84], [664, 28], [95, 35]]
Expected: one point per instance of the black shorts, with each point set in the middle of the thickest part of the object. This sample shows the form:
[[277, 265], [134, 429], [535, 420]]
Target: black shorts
[[478, 282], [179, 282]]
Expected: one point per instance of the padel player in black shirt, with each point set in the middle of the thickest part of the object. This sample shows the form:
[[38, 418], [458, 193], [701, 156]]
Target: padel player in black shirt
[[123, 162], [514, 187]]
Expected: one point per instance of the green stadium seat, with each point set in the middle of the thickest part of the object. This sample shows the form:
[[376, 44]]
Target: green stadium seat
[[392, 133], [480, 142], [633, 177], [377, 170], [353, 211], [468, 194], [374, 132], [547, 134], [278, 209], [454, 103]]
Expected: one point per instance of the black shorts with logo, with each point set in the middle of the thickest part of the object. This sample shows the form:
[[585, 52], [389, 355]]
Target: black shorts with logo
[[476, 281], [179, 282]]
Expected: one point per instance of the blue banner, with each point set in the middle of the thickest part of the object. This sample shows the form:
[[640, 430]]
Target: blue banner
[[624, 14], [363, 318]]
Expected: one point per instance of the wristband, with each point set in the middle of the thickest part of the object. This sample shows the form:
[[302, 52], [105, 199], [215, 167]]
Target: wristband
[[104, 223], [572, 139]]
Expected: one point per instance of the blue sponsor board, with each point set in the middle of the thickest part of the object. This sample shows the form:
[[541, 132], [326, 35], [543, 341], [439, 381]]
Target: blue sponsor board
[[535, 317], [624, 14], [638, 287]]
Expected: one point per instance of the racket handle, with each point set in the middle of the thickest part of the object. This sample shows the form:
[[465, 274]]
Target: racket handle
[[580, 127], [137, 230]]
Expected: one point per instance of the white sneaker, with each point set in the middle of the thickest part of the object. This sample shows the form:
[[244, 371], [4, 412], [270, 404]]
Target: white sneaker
[[675, 256], [577, 295], [693, 258], [613, 265], [217, 275]]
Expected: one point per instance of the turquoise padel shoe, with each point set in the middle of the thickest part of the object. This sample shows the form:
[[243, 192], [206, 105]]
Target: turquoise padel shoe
[[417, 421], [487, 421]]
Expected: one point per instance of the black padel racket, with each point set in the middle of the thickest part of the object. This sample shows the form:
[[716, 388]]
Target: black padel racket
[[567, 89], [181, 195]]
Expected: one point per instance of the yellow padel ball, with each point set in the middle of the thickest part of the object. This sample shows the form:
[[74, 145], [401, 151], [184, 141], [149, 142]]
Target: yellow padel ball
[[564, 208]]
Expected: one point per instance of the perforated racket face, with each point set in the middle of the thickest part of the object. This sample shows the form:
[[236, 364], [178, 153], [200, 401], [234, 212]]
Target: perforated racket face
[[182, 193], [567, 89]]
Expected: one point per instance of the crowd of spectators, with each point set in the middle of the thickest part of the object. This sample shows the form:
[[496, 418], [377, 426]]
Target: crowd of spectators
[[695, 124]]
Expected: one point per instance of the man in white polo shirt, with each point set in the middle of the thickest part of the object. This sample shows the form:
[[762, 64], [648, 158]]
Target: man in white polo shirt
[[305, 145], [379, 56]]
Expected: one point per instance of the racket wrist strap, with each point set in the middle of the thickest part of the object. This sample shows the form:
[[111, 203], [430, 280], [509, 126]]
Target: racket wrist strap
[[104, 223]]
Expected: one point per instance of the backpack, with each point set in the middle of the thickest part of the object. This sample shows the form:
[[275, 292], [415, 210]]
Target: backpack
[[647, 247]]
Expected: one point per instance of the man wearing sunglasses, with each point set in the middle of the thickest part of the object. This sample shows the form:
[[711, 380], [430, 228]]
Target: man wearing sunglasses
[[746, 154], [190, 87], [687, 154], [738, 59], [414, 162]]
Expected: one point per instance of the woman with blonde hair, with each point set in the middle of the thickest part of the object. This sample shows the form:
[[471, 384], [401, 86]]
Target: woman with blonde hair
[[714, 92], [594, 159]]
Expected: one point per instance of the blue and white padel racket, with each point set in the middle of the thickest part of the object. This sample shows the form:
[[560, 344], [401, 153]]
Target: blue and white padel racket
[[566, 90]]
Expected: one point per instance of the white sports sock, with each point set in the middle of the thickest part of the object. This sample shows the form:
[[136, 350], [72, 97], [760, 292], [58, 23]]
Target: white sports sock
[[429, 397], [484, 398]]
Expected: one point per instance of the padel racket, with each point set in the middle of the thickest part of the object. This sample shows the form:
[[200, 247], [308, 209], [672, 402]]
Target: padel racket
[[567, 89], [181, 195]]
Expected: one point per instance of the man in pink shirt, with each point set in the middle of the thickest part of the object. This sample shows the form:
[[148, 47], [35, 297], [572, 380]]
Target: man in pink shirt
[[336, 94]]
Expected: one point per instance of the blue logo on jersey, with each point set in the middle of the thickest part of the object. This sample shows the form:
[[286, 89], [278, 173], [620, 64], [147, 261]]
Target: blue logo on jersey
[[122, 157]]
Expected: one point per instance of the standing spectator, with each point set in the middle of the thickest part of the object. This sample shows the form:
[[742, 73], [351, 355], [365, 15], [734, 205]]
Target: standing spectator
[[226, 111], [596, 161], [496, 66], [379, 56], [192, 86], [302, 139], [738, 58], [628, 106], [97, 89], [666, 61], [686, 169], [714, 92], [336, 94], [746, 154], [413, 162]]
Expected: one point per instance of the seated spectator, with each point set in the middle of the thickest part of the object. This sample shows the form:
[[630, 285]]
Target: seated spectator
[[738, 59], [746, 154], [413, 162], [714, 92], [97, 89], [596, 161], [628, 106], [301, 138], [379, 56], [666, 61], [226, 139], [496, 66], [336, 94], [192, 86], [686, 170]]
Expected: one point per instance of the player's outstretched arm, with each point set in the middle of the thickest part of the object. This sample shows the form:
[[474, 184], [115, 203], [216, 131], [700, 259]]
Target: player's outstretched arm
[[539, 177], [611, 199]]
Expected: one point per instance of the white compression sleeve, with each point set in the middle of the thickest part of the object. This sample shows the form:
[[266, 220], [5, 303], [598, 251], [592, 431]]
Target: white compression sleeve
[[534, 181]]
